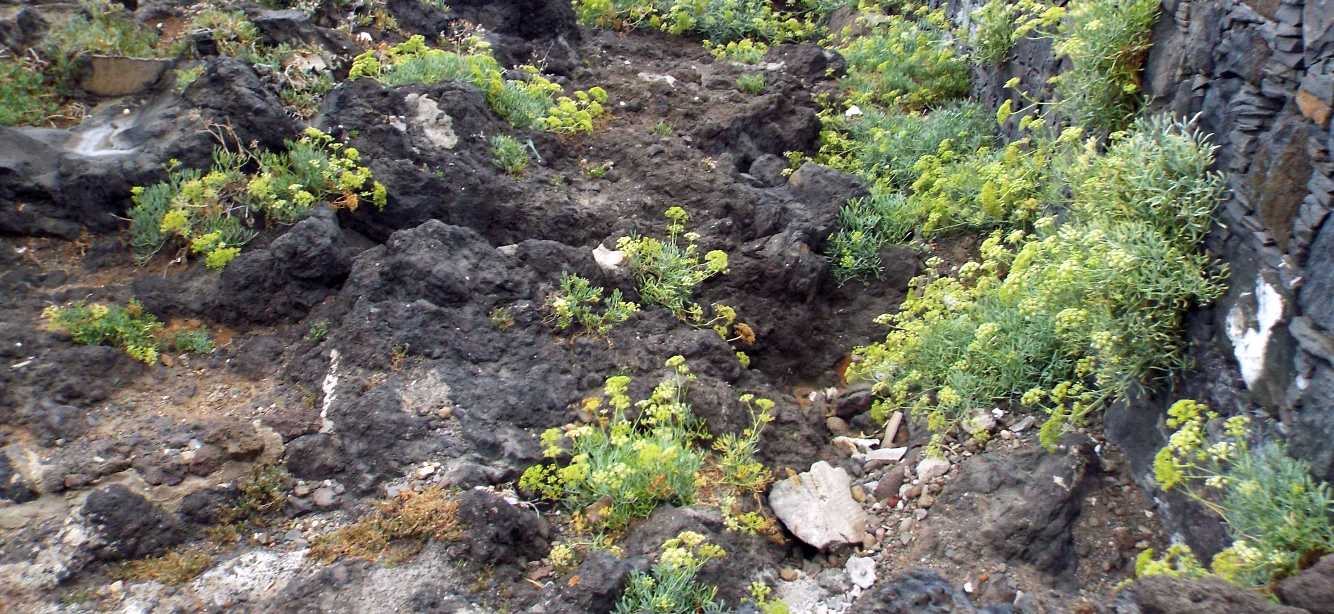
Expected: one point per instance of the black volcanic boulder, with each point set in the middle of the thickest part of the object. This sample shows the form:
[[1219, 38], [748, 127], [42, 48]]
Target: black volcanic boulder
[[129, 526]]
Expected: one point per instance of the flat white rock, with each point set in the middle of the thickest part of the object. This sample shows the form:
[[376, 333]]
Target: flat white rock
[[817, 506]]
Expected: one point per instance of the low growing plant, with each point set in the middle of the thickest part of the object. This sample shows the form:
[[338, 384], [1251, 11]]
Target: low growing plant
[[129, 328], [24, 97], [210, 214], [623, 467], [196, 340], [1075, 314], [746, 50], [508, 154], [666, 272], [397, 529], [1106, 42], [577, 302], [751, 83], [670, 587], [867, 225], [1278, 516], [715, 20], [1002, 23], [905, 63]]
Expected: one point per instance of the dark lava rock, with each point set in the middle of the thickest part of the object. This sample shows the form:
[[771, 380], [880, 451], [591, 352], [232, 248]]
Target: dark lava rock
[[12, 485], [317, 456], [522, 31], [917, 592], [298, 270], [1312, 589], [128, 525], [495, 532], [774, 123], [1167, 595], [209, 506], [744, 551], [1026, 502], [808, 62], [602, 578], [51, 421]]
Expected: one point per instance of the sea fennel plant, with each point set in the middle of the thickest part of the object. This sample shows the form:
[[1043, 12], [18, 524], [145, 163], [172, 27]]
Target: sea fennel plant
[[1071, 315]]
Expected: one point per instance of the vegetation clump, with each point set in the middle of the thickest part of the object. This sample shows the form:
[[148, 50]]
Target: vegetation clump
[[172, 568], [129, 328], [526, 103], [577, 302], [623, 467], [509, 154], [906, 64], [1278, 516], [671, 587], [666, 272], [746, 50], [1072, 315], [395, 530], [1106, 42], [24, 97], [210, 214], [751, 83], [715, 20]]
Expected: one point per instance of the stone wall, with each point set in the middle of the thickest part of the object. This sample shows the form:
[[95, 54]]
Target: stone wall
[[1259, 74]]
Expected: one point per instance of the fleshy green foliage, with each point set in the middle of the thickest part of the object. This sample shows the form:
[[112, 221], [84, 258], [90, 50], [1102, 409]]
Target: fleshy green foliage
[[195, 340], [129, 328], [1074, 314], [318, 331], [577, 302], [524, 103], [235, 35], [715, 20], [1277, 515], [884, 147], [736, 452], [1106, 42], [209, 213], [1178, 562], [746, 51], [304, 91], [666, 272], [105, 28], [663, 129], [187, 76], [670, 587], [867, 225], [1002, 23], [24, 99], [988, 187], [508, 154], [575, 115], [621, 467], [906, 64], [751, 83]]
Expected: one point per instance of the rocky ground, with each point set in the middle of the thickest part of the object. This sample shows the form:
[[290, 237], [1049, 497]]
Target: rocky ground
[[358, 359]]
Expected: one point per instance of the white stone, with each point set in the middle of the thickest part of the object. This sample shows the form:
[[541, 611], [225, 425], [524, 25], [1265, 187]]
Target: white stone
[[607, 259], [817, 506], [932, 468], [861, 570], [889, 455], [1250, 326], [436, 125]]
